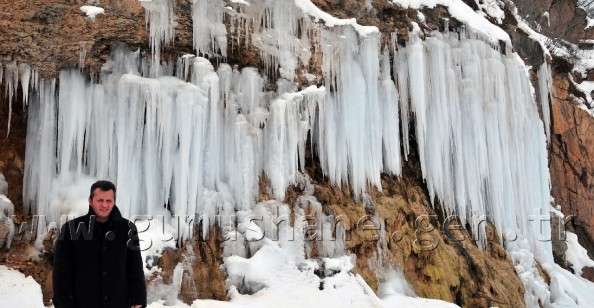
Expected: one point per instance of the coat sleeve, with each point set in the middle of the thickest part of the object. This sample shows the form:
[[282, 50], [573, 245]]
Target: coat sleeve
[[63, 271], [136, 280]]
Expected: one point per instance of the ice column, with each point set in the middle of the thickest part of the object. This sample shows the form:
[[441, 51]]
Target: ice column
[[161, 20]]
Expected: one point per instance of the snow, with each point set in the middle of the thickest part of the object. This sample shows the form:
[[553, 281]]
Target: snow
[[156, 235], [492, 8], [16, 290], [576, 255], [240, 2], [92, 11], [307, 7], [272, 278], [568, 290], [462, 12], [536, 289]]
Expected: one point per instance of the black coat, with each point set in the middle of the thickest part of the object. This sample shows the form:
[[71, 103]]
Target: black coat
[[92, 270]]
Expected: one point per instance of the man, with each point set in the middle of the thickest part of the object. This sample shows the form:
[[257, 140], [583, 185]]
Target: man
[[97, 261]]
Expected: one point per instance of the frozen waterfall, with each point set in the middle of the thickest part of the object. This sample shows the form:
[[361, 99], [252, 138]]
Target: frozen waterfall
[[191, 139]]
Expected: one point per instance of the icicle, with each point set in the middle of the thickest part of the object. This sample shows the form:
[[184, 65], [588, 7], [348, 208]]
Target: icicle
[[183, 66], [400, 71], [279, 35], [25, 77], [351, 120], [72, 118], [481, 149], [390, 129], [210, 34], [40, 152], [161, 20], [545, 88], [34, 79], [11, 81]]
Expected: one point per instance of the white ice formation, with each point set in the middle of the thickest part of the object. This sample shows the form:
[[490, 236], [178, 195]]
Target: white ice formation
[[189, 141]]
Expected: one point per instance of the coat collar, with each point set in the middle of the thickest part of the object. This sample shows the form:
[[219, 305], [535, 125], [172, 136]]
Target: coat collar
[[114, 215]]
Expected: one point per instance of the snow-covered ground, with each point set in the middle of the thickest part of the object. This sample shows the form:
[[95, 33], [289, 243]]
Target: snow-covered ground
[[16, 290], [284, 284]]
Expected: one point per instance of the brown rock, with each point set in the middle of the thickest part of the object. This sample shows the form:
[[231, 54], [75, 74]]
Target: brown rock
[[565, 20], [437, 264], [572, 163], [201, 261], [49, 240], [588, 273], [31, 31]]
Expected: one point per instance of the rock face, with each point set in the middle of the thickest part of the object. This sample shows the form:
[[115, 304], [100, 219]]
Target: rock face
[[51, 35], [438, 259], [572, 161], [201, 276], [12, 148], [555, 19]]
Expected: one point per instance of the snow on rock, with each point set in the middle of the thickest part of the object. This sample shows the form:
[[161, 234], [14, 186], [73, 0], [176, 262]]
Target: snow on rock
[[491, 8], [461, 11], [576, 255], [92, 11], [156, 235], [588, 7], [307, 7], [270, 278], [16, 290]]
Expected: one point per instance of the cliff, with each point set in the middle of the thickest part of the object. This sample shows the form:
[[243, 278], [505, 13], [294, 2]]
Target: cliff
[[51, 35]]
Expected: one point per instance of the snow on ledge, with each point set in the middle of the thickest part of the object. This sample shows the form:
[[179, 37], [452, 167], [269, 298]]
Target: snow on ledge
[[310, 9], [463, 13], [92, 11]]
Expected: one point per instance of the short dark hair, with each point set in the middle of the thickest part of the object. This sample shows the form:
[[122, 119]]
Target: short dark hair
[[104, 186]]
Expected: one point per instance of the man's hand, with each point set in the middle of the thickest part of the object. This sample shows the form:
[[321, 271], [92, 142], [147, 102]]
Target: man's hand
[[136, 306]]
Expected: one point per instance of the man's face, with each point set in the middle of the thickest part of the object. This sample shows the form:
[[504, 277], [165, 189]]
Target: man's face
[[102, 203]]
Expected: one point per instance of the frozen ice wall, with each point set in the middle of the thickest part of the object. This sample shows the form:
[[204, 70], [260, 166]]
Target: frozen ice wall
[[192, 140], [481, 142]]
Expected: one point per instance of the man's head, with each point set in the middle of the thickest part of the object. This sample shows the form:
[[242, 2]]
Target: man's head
[[102, 199]]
